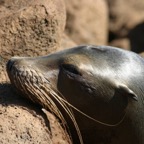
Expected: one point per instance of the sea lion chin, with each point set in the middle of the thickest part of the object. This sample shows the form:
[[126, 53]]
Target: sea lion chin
[[97, 82]]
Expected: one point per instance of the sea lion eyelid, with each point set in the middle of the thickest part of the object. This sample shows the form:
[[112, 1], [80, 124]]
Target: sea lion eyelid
[[71, 69]]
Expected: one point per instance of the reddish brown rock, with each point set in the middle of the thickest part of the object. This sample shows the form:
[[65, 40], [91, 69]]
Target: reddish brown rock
[[28, 28], [87, 21], [123, 43], [24, 123], [67, 42], [19, 125], [34, 27]]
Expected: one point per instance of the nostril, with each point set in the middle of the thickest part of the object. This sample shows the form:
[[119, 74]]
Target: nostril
[[10, 64]]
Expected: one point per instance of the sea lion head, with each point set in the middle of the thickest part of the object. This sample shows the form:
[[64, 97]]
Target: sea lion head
[[88, 78]]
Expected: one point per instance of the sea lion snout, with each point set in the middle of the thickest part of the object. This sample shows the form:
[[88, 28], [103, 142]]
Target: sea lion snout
[[10, 63], [15, 61], [19, 63]]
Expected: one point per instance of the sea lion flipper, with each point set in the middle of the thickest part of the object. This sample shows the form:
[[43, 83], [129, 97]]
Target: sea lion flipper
[[126, 90]]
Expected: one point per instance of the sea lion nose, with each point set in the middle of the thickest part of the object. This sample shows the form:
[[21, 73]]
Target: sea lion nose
[[11, 62]]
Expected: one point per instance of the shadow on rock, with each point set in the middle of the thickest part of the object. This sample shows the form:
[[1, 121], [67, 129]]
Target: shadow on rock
[[136, 36], [9, 97]]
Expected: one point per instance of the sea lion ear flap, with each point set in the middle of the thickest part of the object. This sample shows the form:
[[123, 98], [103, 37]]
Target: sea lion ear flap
[[127, 91]]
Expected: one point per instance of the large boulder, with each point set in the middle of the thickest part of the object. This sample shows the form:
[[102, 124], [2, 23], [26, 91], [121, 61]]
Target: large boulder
[[87, 21], [32, 26], [28, 28], [22, 122]]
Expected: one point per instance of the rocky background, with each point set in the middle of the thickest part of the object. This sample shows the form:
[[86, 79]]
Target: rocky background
[[40, 27], [117, 23]]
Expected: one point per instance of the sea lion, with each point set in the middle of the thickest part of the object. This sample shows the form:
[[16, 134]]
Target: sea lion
[[103, 85]]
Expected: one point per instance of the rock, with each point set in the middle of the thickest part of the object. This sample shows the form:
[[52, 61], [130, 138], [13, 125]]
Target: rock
[[125, 15], [34, 27], [28, 28], [87, 21], [141, 54], [66, 42], [23, 122], [19, 125], [123, 43], [126, 20]]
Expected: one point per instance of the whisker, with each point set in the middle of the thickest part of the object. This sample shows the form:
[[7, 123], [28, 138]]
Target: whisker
[[69, 112], [97, 121]]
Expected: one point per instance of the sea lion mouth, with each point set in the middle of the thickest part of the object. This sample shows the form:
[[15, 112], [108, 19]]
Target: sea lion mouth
[[28, 80]]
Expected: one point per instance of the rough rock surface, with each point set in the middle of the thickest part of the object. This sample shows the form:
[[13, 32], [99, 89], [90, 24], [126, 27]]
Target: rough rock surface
[[87, 21], [127, 21], [28, 28], [23, 122], [16, 119], [35, 24]]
